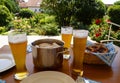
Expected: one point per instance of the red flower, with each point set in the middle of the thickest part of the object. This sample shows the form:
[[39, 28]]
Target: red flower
[[98, 21], [108, 20], [98, 34]]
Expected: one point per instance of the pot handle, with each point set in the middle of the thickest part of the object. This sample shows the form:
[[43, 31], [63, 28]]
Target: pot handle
[[65, 50]]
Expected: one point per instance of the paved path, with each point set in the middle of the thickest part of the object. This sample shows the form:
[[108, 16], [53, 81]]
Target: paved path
[[4, 39]]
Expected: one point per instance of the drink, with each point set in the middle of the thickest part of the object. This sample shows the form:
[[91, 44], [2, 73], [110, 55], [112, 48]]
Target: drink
[[66, 33], [67, 39], [18, 44], [79, 46]]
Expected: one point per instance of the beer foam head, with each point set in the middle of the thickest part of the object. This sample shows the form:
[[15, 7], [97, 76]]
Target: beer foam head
[[80, 33], [66, 30], [16, 38]]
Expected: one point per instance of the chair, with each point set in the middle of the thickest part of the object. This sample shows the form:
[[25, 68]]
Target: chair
[[109, 38]]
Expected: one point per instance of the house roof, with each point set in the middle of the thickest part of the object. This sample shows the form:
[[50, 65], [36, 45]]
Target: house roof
[[34, 2], [30, 3], [23, 4]]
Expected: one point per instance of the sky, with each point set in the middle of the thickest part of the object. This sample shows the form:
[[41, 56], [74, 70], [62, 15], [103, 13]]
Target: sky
[[26, 0], [109, 1]]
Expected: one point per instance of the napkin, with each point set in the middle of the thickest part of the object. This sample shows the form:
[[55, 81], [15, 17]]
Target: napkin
[[29, 48], [84, 80], [2, 81], [106, 57]]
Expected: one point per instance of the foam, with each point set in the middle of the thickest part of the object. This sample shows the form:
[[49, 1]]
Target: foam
[[17, 38], [67, 30], [80, 33]]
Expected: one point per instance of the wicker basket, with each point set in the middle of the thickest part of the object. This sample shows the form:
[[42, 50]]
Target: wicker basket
[[92, 59]]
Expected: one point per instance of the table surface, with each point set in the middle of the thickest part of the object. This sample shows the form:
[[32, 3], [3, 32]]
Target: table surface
[[101, 73]]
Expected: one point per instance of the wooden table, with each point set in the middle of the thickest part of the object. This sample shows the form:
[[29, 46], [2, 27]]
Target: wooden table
[[102, 73]]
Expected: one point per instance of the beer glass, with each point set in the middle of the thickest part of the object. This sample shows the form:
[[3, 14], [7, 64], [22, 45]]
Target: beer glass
[[66, 32], [18, 43], [79, 46]]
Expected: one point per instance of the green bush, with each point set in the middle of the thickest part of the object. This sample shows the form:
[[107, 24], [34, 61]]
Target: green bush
[[26, 13], [5, 16], [114, 14], [48, 24], [22, 25], [50, 29], [44, 24], [117, 3], [12, 5], [2, 30], [41, 24], [99, 29], [37, 16], [117, 36]]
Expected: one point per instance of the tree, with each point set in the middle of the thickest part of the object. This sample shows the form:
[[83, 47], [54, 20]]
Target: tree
[[114, 15], [12, 5], [5, 15], [87, 10], [62, 9], [67, 11]]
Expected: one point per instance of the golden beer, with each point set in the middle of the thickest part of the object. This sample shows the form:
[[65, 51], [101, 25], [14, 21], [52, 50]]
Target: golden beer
[[18, 49], [67, 39], [79, 46], [66, 33]]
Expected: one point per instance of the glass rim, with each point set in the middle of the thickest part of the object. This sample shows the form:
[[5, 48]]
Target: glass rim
[[80, 30], [66, 27], [15, 33], [80, 33]]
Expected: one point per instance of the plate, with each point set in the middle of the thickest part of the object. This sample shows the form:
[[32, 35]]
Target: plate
[[6, 62], [48, 77]]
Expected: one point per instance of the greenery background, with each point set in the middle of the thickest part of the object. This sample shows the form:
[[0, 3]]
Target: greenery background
[[92, 15]]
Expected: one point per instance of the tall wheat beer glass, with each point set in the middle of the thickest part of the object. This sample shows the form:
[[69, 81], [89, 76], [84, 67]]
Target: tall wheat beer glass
[[66, 32], [79, 46], [18, 43]]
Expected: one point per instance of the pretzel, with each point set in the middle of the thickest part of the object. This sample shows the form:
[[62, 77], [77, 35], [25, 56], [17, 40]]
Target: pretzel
[[97, 47], [103, 49]]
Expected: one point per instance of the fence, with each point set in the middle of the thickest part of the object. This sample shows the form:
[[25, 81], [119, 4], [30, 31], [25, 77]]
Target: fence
[[109, 36]]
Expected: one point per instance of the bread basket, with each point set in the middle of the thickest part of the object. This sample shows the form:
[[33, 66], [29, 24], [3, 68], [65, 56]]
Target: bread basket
[[92, 59], [100, 58]]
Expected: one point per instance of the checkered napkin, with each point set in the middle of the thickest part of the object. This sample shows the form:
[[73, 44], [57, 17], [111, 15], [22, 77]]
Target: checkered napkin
[[84, 80], [106, 57], [29, 48]]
